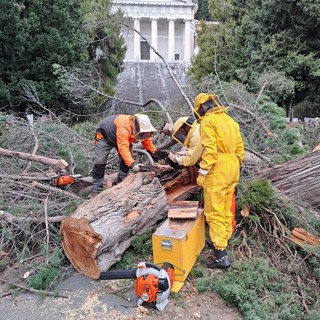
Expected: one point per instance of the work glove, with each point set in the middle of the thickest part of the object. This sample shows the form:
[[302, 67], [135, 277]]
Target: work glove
[[201, 177], [160, 154], [175, 158], [136, 167]]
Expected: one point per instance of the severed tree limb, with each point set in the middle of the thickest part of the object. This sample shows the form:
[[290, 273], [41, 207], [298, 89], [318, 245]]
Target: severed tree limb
[[39, 177], [11, 218], [29, 93], [47, 293], [58, 164], [40, 186], [265, 128], [104, 226], [33, 153]]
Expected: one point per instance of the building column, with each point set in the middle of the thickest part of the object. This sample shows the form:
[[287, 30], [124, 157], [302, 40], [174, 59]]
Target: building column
[[187, 40], [171, 40], [154, 39], [136, 40]]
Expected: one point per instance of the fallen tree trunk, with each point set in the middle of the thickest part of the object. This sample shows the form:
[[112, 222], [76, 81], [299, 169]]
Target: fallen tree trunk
[[117, 215], [58, 164], [299, 178], [96, 235]]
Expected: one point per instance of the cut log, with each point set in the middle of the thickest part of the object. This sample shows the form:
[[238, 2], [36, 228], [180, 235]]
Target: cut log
[[118, 215], [299, 178]]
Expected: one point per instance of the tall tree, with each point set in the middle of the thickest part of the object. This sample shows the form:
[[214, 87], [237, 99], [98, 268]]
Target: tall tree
[[267, 36], [107, 47], [34, 35], [203, 12]]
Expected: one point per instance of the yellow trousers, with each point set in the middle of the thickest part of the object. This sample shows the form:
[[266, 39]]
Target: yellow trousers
[[218, 188]]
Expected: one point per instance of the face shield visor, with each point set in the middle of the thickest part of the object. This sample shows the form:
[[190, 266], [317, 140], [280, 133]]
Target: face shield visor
[[205, 102], [143, 136], [142, 128], [181, 132]]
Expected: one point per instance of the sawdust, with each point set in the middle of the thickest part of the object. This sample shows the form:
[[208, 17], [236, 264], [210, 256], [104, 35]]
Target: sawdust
[[113, 299]]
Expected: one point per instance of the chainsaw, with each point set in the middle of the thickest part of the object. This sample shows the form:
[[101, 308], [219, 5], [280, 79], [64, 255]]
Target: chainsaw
[[153, 283], [61, 180]]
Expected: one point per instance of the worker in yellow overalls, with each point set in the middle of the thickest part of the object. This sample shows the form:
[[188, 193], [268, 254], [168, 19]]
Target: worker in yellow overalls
[[219, 172]]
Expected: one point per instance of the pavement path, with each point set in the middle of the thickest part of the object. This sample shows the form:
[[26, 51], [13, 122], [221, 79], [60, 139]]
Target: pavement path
[[114, 300]]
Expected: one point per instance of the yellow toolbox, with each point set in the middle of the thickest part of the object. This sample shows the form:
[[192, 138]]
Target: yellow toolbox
[[180, 242]]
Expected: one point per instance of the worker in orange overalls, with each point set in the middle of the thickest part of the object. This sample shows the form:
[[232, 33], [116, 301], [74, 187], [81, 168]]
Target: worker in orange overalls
[[186, 131], [219, 172], [120, 132]]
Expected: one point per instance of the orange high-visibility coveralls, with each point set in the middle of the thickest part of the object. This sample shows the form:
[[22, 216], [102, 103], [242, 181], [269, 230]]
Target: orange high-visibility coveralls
[[222, 157]]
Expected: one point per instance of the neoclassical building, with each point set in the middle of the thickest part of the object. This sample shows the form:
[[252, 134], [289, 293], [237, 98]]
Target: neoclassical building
[[168, 26]]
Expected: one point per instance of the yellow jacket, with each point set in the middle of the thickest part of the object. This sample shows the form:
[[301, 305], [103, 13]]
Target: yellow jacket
[[193, 143], [219, 134]]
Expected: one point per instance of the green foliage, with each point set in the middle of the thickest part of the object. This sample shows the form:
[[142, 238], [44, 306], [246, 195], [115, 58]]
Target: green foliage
[[220, 9], [47, 277], [198, 272], [44, 278], [258, 290], [86, 129], [265, 36], [34, 35], [203, 11], [256, 193]]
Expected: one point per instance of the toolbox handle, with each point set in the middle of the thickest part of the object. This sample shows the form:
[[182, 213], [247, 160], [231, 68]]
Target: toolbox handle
[[166, 244]]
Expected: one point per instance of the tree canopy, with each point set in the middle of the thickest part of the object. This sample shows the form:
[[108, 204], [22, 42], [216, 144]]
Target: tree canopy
[[37, 36], [256, 37], [34, 35]]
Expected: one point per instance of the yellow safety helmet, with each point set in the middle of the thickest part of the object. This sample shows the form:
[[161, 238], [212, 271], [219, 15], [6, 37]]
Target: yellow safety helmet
[[204, 102], [181, 128], [141, 127]]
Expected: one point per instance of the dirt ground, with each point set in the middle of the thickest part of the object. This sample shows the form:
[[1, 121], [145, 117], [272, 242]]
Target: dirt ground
[[112, 299]]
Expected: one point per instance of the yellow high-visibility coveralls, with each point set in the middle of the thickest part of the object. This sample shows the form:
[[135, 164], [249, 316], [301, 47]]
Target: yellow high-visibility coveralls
[[222, 156]]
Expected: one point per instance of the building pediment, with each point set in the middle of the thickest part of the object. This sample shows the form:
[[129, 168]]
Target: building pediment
[[153, 2]]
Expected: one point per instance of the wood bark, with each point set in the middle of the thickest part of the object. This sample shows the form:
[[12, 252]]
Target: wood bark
[[96, 235], [118, 214], [58, 164], [299, 178]]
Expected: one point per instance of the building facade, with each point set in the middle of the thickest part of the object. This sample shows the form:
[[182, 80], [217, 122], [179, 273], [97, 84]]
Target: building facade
[[168, 26]]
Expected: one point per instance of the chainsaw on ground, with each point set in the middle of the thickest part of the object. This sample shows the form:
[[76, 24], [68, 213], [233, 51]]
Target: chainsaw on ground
[[153, 283], [61, 180]]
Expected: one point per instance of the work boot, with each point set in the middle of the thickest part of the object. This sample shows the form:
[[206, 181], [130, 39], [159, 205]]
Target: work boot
[[209, 243], [220, 260]]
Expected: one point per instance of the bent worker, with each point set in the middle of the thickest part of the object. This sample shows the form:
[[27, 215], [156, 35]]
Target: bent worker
[[120, 132], [219, 172], [186, 132]]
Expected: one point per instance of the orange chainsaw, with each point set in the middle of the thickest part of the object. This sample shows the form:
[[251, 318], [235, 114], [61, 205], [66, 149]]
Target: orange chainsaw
[[61, 181], [153, 283]]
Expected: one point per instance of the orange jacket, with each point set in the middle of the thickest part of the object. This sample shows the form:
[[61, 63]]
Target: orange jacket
[[117, 130]]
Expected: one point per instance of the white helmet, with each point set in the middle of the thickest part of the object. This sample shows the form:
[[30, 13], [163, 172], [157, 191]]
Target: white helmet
[[142, 127]]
